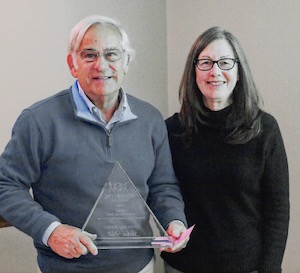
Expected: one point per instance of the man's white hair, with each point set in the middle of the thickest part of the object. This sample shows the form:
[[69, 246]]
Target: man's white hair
[[79, 30]]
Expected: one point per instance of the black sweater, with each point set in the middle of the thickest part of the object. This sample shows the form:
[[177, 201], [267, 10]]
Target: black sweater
[[237, 195]]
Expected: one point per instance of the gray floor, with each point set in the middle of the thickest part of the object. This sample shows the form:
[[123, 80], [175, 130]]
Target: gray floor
[[18, 254]]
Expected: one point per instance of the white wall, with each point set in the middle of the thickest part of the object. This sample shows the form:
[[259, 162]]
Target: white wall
[[33, 66], [269, 33]]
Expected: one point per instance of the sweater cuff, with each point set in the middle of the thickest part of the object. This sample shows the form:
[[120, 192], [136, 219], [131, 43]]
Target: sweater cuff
[[48, 232]]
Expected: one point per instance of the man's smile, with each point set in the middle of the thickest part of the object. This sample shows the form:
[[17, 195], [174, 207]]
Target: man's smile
[[102, 78]]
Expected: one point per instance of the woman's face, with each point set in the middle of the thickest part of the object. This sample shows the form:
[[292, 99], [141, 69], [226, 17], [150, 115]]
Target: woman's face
[[216, 85]]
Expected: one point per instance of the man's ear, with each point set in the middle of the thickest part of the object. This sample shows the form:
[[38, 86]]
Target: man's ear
[[72, 66], [126, 64]]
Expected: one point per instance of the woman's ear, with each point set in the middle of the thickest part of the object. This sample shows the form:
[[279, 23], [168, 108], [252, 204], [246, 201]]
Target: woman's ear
[[72, 65]]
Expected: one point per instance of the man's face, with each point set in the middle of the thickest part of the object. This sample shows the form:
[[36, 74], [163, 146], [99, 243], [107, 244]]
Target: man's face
[[100, 63]]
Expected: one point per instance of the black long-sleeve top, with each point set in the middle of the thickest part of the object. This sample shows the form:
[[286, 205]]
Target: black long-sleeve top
[[236, 195]]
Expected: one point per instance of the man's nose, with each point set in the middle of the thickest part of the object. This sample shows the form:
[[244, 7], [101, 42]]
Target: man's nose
[[101, 63]]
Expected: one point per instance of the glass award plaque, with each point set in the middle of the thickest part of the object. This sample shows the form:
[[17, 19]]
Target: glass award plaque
[[122, 219]]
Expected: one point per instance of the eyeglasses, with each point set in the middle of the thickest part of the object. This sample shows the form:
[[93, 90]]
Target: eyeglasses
[[207, 64], [91, 55]]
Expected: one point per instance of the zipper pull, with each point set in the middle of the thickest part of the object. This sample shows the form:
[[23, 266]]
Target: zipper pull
[[109, 139]]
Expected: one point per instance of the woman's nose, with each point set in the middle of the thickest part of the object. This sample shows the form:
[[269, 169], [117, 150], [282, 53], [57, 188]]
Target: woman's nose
[[215, 70]]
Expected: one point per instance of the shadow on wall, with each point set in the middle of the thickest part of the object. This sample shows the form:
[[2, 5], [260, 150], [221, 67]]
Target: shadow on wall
[[18, 254]]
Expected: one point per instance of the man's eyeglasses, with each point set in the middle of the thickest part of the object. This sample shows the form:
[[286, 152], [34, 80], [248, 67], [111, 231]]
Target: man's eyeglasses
[[91, 55], [207, 64]]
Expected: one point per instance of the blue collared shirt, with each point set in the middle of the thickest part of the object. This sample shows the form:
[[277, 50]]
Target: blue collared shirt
[[122, 113]]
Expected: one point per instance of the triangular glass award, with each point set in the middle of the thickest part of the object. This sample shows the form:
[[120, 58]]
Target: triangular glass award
[[122, 219]]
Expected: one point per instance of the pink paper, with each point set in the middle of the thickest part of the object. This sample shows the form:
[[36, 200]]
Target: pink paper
[[183, 236], [171, 241]]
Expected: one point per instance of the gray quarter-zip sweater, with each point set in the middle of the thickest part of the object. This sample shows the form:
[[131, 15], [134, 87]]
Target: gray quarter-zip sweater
[[66, 158]]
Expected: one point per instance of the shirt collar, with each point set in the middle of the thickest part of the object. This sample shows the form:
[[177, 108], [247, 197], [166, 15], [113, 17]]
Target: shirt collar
[[87, 110]]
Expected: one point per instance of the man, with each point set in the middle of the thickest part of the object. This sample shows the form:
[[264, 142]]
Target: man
[[64, 148]]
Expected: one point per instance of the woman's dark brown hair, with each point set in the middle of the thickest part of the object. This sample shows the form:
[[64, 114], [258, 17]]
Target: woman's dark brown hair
[[245, 118]]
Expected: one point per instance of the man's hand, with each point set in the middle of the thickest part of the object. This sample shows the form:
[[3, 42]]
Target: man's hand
[[175, 230], [70, 242]]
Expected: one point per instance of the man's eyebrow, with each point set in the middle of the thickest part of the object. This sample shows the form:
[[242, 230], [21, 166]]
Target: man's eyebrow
[[112, 48], [89, 49], [106, 49]]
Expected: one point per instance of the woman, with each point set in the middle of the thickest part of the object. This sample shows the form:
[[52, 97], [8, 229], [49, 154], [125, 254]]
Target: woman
[[231, 163]]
